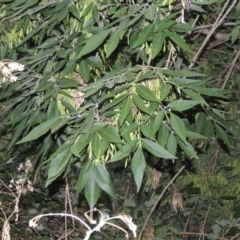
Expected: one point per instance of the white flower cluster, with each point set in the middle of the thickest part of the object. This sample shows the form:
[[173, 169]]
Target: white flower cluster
[[6, 69]]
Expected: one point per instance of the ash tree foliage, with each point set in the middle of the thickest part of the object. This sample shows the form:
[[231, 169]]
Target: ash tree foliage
[[105, 81]]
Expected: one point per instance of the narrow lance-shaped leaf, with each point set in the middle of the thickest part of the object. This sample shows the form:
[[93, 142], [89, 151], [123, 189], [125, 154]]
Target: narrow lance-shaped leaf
[[103, 179], [172, 144], [164, 90], [163, 134], [143, 35], [83, 176], [178, 126], [38, 131], [111, 134], [140, 103], [92, 192], [138, 165], [125, 109], [125, 152], [57, 165], [146, 93], [180, 42], [158, 41], [157, 122], [187, 148], [222, 134], [94, 42], [112, 43], [156, 149], [58, 124], [95, 143], [201, 119], [84, 70], [147, 132], [182, 105], [89, 121]]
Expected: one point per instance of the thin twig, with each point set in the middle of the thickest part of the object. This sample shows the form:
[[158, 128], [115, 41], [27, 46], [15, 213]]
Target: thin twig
[[159, 198], [210, 25], [231, 69], [185, 228], [202, 230], [235, 236], [217, 23]]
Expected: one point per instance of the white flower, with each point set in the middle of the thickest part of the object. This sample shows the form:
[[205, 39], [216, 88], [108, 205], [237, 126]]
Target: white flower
[[13, 78], [6, 71], [32, 223], [14, 66]]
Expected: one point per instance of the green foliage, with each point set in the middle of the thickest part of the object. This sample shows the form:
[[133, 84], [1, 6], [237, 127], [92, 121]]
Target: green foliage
[[131, 102], [107, 83]]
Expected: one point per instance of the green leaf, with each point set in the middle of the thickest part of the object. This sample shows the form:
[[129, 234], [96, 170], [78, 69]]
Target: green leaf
[[164, 90], [93, 90], [182, 73], [172, 144], [157, 45], [200, 122], [194, 135], [70, 67], [32, 33], [163, 134], [125, 109], [78, 146], [140, 103], [212, 92], [156, 149], [50, 42], [130, 128], [94, 42], [182, 105], [4, 50], [95, 144], [111, 134], [112, 43], [144, 35], [194, 96], [180, 42], [92, 192], [185, 82], [120, 12], [89, 122], [174, 230], [114, 102], [208, 128], [103, 179], [75, 12], [57, 165], [125, 152], [19, 130], [222, 134], [38, 131], [181, 27], [138, 165], [178, 126], [44, 85], [84, 176], [187, 148], [146, 130], [56, 125], [150, 13], [157, 122], [146, 93], [84, 70]]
